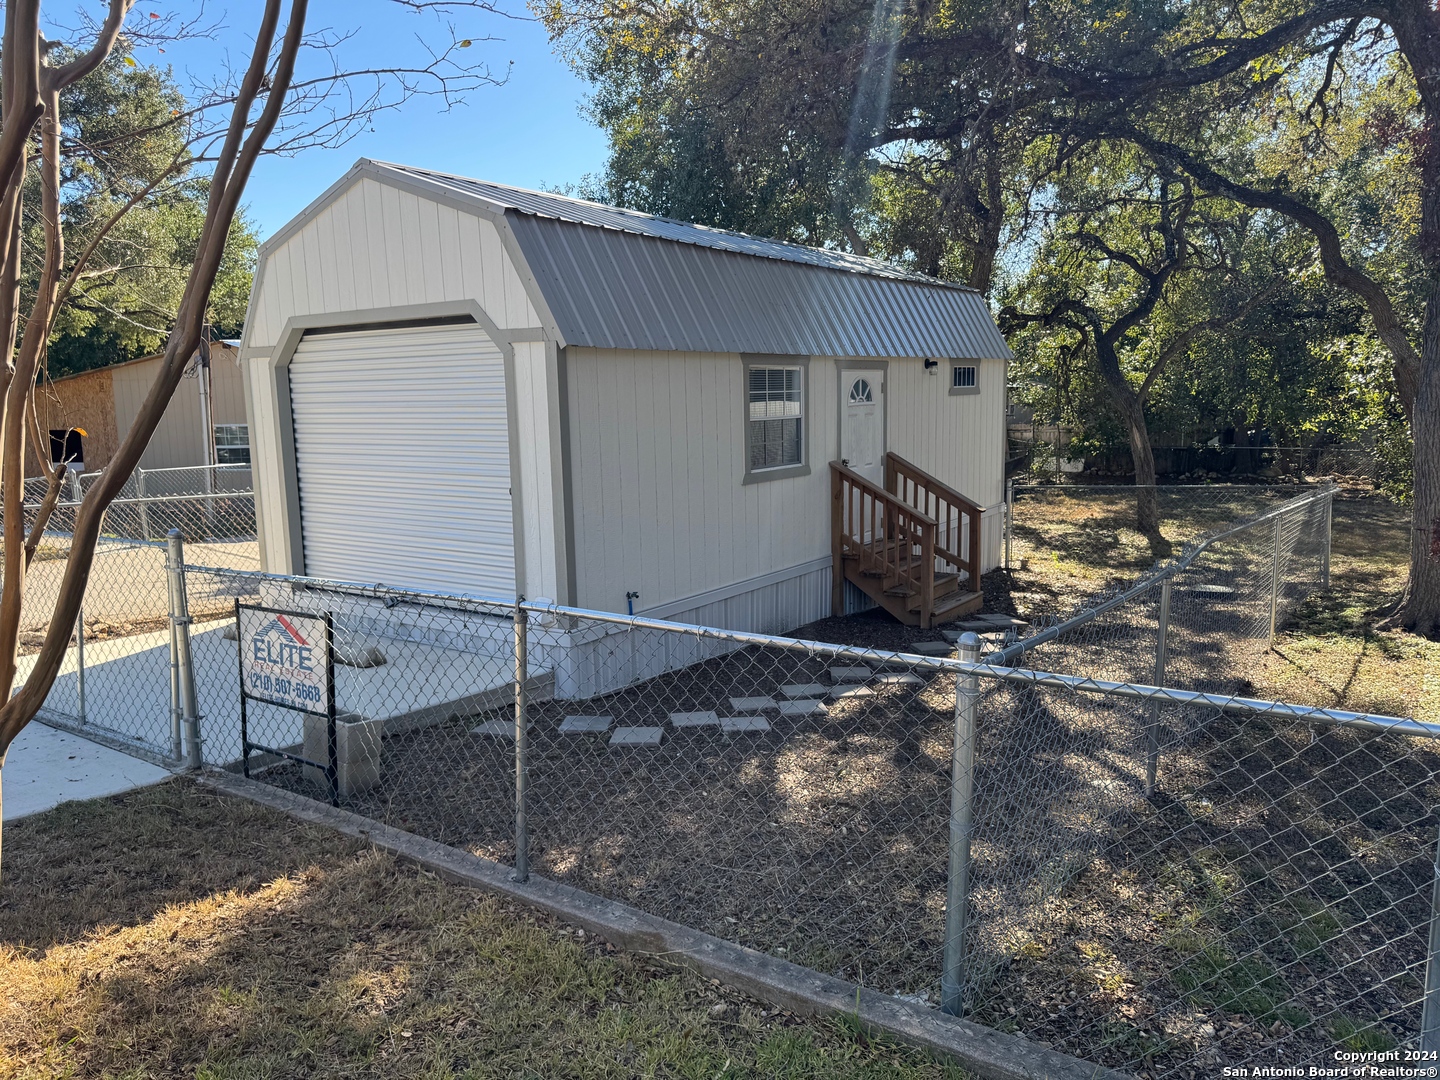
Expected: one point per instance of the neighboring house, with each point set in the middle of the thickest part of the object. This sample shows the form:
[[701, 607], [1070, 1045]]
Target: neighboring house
[[464, 386], [87, 414]]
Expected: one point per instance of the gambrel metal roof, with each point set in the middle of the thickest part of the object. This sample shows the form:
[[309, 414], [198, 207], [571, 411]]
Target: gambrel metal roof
[[620, 279]]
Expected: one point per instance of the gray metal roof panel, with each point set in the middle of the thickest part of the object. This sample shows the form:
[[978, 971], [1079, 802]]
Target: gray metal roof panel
[[614, 278], [564, 208], [611, 289]]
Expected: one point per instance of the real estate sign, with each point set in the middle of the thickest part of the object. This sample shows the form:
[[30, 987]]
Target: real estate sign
[[284, 658]]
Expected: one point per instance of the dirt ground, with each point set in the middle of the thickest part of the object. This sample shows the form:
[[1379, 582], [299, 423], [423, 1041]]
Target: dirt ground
[[175, 933]]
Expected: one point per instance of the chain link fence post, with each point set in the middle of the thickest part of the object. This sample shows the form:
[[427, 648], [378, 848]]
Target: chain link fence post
[[1009, 518], [140, 495], [1325, 549], [1162, 633], [522, 766], [1430, 1011], [1275, 581], [962, 796], [184, 661]]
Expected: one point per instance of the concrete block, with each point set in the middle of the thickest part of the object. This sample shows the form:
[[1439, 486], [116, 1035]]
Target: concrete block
[[845, 693], [501, 729], [802, 707], [637, 736], [743, 725], [694, 719], [931, 648], [809, 689], [585, 725], [357, 751], [751, 704], [854, 673]]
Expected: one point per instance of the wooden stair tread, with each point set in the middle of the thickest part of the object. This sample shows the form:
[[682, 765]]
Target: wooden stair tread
[[954, 606]]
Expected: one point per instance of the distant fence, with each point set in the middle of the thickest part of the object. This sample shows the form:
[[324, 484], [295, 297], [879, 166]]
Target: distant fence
[[1082, 834]]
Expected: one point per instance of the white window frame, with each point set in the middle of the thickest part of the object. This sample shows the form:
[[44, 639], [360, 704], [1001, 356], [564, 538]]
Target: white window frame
[[800, 364], [219, 446], [960, 388]]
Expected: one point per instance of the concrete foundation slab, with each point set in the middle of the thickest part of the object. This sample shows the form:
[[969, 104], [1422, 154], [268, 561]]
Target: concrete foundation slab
[[850, 674], [845, 693], [637, 736]]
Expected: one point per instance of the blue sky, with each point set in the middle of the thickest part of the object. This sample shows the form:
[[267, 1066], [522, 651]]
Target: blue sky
[[527, 132]]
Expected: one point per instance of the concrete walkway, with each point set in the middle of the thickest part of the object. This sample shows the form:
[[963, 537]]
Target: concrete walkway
[[46, 767]]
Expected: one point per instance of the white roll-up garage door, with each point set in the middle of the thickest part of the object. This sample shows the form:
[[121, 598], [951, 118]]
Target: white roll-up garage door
[[403, 456]]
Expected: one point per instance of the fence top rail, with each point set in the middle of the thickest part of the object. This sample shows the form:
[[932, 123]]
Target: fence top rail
[[1161, 572], [549, 613], [151, 500], [1063, 488]]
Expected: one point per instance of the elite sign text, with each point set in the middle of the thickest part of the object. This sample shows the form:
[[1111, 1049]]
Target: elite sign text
[[283, 658]]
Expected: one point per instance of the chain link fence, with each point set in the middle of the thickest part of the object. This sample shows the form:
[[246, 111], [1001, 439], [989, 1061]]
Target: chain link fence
[[1036, 834], [115, 680]]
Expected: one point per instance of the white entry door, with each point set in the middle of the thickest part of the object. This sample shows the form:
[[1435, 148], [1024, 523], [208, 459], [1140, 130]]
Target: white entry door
[[862, 422]]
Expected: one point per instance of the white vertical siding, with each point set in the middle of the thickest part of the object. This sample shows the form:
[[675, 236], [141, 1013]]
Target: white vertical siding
[[957, 438], [534, 471], [657, 451], [376, 247], [657, 456]]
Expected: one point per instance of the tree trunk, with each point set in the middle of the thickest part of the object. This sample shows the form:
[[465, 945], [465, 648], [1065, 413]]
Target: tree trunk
[[1147, 502], [1420, 608]]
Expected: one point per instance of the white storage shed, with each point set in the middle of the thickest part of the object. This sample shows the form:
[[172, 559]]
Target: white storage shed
[[464, 386]]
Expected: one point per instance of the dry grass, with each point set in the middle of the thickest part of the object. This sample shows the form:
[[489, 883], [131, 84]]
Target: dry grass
[[178, 933], [1330, 653]]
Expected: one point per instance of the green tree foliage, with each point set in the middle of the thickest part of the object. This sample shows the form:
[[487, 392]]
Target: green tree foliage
[[124, 139]]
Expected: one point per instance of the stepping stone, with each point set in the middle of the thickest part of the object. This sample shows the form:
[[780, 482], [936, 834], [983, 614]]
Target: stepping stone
[[802, 707], [585, 725], [809, 689], [637, 736], [850, 674], [841, 693], [1212, 590], [751, 704], [742, 725], [504, 729], [932, 648], [694, 719], [901, 680], [982, 624]]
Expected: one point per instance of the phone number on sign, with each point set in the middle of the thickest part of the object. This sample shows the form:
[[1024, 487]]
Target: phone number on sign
[[260, 683]]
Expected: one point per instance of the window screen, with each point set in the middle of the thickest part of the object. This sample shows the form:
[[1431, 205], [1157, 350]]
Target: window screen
[[776, 416], [962, 378], [232, 444]]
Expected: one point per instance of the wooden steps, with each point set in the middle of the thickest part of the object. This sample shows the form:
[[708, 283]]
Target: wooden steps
[[911, 546]]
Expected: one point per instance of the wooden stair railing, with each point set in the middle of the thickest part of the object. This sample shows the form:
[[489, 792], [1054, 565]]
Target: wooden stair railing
[[888, 538], [957, 519]]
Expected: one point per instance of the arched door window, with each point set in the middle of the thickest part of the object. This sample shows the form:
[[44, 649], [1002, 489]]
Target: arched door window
[[861, 393]]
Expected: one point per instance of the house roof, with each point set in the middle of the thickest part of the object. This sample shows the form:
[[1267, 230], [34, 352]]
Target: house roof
[[615, 278]]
